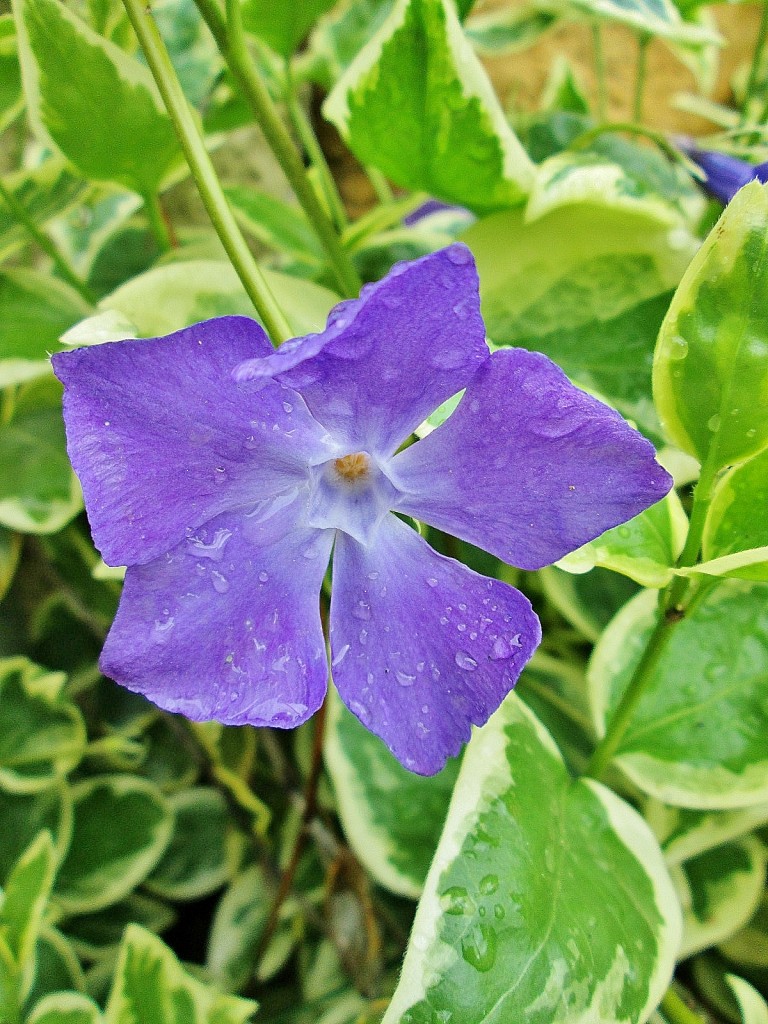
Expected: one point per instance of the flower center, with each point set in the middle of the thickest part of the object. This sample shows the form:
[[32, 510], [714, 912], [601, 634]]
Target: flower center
[[353, 467]]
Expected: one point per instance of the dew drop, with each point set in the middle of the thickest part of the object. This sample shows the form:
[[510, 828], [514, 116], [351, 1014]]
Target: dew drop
[[363, 636], [478, 947], [340, 656], [360, 710], [501, 650], [220, 475], [489, 884], [457, 901], [404, 678], [713, 423], [362, 610], [463, 660], [288, 407], [678, 348], [373, 575], [263, 576], [449, 359], [431, 581], [220, 583], [459, 255]]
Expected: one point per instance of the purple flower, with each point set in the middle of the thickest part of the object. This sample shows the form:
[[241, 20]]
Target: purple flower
[[725, 174], [224, 493]]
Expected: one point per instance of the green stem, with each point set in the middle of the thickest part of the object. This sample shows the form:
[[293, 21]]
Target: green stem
[[702, 499], [676, 1011], [642, 67], [757, 60], [306, 133], [380, 184], [157, 221], [45, 243], [203, 171], [231, 41], [599, 55]]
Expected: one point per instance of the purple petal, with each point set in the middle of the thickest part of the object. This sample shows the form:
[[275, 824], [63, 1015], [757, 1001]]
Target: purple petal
[[528, 467], [163, 438], [389, 358], [725, 174], [422, 646], [226, 626]]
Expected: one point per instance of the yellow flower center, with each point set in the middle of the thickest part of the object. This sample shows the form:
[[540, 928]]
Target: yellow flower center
[[353, 467]]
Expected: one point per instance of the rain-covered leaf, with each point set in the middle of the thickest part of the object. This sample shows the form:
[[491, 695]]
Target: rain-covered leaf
[[417, 105], [644, 548], [681, 745], [547, 900], [710, 373]]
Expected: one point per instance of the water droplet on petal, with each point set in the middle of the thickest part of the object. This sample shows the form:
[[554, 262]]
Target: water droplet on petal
[[340, 656], [362, 610], [220, 583], [431, 581], [459, 255], [463, 660], [404, 678], [360, 710], [263, 576], [288, 407]]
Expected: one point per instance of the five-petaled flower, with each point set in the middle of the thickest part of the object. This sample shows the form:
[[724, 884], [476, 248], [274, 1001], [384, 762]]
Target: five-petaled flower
[[223, 473]]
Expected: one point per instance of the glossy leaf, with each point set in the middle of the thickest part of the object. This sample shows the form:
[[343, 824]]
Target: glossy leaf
[[44, 192], [542, 893], [104, 864], [587, 601], [720, 891], [731, 524], [58, 968], [417, 105], [687, 833], [98, 935], [151, 986], [588, 288], [39, 493], [391, 817], [340, 36], [35, 310], [43, 734], [97, 104], [681, 746], [645, 548], [198, 859], [279, 225], [25, 898], [237, 927], [741, 565], [711, 364]]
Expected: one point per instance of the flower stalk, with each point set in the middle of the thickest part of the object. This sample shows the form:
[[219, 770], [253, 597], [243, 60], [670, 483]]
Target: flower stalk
[[202, 169]]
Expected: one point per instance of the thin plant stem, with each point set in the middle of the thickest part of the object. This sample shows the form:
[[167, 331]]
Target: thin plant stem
[[45, 243], [757, 60], [230, 38], [600, 74], [307, 814], [203, 171], [309, 141], [380, 184], [157, 222], [677, 1011], [643, 41], [586, 138]]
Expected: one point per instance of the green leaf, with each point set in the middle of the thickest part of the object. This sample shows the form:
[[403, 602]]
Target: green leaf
[[682, 745], [279, 225], [151, 987], [11, 97], [237, 927], [417, 104], [42, 735], [39, 493], [58, 968], [754, 1009], [339, 37], [97, 104], [646, 548], [570, 178], [35, 310], [44, 192], [192, 48], [512, 925], [26, 895], [749, 947], [177, 295], [96, 936], [199, 858], [720, 890], [506, 30], [710, 373], [25, 815], [391, 817], [687, 833], [65, 1008], [282, 25], [587, 287], [731, 524], [10, 550], [741, 565], [655, 17], [105, 863]]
